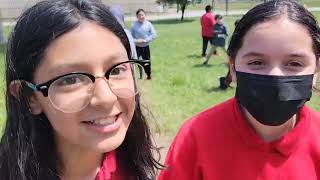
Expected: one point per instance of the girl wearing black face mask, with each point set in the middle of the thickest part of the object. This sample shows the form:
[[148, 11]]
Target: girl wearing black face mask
[[266, 131]]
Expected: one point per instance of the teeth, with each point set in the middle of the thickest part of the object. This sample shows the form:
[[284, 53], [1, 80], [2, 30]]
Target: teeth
[[103, 122]]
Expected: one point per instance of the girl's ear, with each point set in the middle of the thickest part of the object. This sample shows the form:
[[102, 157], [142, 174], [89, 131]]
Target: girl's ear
[[232, 69], [15, 88]]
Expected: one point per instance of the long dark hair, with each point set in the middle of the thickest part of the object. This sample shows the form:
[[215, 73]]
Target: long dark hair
[[27, 147], [272, 10]]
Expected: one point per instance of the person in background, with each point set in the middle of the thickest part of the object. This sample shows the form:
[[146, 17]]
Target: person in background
[[73, 108], [266, 132], [118, 12], [207, 22], [220, 34], [143, 33], [224, 82]]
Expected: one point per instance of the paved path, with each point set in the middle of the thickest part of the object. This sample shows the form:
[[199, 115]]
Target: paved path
[[198, 13]]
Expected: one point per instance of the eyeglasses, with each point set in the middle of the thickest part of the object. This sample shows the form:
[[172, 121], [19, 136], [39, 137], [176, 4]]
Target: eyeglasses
[[72, 92]]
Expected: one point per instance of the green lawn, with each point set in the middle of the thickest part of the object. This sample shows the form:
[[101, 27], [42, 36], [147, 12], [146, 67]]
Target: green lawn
[[181, 85]]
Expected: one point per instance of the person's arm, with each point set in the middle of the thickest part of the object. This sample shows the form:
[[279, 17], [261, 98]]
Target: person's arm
[[151, 35], [212, 20], [181, 161], [133, 32]]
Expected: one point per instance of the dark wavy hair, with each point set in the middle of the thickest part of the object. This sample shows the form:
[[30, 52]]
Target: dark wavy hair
[[27, 147], [272, 10]]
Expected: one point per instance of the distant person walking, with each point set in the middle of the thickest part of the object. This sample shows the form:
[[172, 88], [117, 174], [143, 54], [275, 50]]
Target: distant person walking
[[227, 80], [207, 23], [143, 33], [220, 34]]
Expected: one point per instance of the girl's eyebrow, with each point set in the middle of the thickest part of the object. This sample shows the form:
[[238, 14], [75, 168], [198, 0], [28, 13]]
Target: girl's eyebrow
[[65, 67], [298, 55], [252, 54], [255, 54], [69, 65]]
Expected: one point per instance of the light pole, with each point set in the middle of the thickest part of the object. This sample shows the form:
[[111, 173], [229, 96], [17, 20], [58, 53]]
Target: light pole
[[227, 7]]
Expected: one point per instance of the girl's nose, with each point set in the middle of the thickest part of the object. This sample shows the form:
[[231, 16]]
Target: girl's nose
[[102, 94]]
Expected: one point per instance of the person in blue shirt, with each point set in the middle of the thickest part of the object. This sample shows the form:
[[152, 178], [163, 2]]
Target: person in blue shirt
[[143, 33], [219, 37]]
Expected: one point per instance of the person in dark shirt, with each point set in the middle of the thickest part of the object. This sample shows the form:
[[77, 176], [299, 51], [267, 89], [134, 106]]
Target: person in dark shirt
[[219, 37], [227, 80]]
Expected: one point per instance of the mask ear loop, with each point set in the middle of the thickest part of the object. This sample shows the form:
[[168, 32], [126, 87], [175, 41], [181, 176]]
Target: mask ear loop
[[316, 85], [232, 69]]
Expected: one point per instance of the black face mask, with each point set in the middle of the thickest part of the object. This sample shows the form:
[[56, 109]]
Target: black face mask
[[273, 100]]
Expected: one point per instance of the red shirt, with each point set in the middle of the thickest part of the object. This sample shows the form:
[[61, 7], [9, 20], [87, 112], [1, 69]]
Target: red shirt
[[207, 22], [220, 144], [111, 170]]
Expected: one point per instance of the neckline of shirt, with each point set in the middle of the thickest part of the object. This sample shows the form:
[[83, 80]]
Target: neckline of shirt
[[285, 145]]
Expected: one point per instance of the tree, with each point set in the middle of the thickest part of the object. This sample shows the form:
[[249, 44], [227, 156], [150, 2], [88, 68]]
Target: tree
[[181, 4]]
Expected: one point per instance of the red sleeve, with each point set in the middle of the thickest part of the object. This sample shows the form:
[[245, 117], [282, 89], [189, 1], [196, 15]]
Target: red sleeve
[[181, 160], [212, 20]]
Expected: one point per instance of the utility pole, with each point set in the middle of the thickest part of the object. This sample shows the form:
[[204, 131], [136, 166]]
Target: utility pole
[[227, 7]]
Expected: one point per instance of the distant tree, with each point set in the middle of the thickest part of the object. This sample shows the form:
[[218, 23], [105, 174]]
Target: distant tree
[[181, 5]]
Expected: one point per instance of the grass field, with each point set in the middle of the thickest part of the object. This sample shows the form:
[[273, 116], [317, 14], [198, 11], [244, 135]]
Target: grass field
[[181, 85]]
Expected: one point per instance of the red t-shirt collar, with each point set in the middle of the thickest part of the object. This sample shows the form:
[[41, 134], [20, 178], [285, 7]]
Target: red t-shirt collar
[[109, 166], [286, 145]]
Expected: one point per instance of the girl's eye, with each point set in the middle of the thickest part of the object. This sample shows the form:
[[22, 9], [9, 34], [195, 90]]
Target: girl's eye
[[255, 63], [71, 80], [295, 64], [119, 70]]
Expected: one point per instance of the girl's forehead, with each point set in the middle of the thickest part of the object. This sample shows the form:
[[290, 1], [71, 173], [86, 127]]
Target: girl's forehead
[[282, 28], [277, 38], [90, 46], [283, 23]]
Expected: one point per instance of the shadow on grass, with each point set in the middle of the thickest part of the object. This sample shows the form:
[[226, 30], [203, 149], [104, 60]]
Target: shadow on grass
[[217, 89], [172, 21], [203, 65], [209, 65], [194, 56]]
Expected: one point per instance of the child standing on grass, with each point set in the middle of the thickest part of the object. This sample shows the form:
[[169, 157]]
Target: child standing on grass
[[220, 34], [224, 82], [143, 33]]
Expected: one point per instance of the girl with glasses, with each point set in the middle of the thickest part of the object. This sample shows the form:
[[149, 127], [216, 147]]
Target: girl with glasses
[[73, 109], [266, 132]]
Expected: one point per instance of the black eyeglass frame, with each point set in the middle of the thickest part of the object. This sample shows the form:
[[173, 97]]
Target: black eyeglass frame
[[44, 87]]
